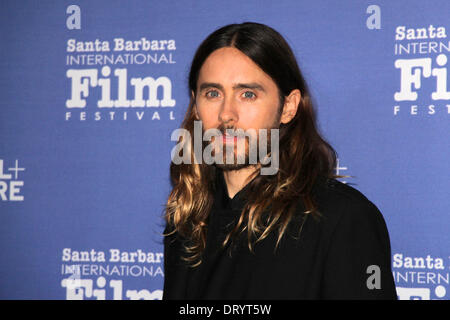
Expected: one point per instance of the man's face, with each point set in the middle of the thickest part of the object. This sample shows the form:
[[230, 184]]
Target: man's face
[[234, 93]]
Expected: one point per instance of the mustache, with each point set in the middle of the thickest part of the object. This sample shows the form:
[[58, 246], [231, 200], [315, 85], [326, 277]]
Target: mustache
[[226, 129], [231, 130]]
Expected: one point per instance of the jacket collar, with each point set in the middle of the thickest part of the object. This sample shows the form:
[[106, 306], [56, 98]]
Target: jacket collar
[[223, 199]]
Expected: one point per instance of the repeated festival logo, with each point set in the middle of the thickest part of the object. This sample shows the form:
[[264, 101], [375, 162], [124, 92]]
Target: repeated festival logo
[[421, 62], [114, 77], [421, 278], [99, 275], [102, 85]]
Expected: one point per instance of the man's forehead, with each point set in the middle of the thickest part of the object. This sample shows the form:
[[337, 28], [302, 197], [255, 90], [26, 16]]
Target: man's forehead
[[232, 68]]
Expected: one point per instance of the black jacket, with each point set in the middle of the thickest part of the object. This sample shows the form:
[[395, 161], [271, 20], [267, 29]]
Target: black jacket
[[343, 255]]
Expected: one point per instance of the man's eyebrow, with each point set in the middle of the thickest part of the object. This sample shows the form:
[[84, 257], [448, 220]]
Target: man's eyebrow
[[251, 85], [206, 85]]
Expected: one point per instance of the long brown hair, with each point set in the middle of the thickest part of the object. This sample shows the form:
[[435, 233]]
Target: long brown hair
[[304, 156]]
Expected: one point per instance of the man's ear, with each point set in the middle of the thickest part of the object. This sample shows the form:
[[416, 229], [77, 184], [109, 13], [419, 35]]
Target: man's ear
[[290, 107], [194, 106]]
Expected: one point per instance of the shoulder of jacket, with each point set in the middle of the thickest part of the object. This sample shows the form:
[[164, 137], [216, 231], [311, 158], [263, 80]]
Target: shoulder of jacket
[[335, 198]]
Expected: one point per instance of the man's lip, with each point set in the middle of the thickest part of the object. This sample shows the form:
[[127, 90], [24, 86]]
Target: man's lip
[[230, 138]]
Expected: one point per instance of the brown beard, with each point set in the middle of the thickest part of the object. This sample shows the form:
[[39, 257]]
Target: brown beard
[[246, 157]]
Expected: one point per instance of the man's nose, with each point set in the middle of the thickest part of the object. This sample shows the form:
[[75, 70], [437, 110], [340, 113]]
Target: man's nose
[[228, 113]]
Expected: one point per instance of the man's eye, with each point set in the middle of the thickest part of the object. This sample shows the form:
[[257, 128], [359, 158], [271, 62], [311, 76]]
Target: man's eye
[[212, 94], [249, 95]]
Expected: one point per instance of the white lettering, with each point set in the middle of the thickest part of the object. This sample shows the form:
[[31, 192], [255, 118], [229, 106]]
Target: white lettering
[[83, 79]]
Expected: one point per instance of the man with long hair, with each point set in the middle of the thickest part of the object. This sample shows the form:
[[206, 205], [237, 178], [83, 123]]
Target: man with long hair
[[235, 231]]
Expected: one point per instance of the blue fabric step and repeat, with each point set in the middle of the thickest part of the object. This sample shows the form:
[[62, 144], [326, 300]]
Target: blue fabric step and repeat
[[84, 155]]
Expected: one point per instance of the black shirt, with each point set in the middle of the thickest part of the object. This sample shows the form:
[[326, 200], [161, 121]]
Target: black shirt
[[328, 259]]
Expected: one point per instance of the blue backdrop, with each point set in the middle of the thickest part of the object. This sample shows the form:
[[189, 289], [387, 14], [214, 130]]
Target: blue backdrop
[[85, 145]]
